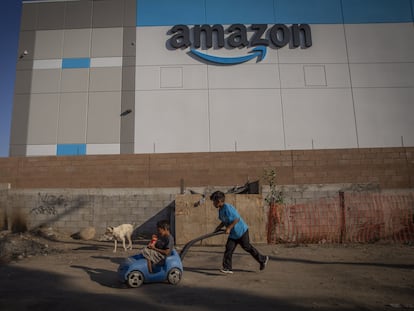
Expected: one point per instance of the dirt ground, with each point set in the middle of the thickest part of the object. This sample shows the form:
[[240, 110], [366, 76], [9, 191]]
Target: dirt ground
[[66, 274]]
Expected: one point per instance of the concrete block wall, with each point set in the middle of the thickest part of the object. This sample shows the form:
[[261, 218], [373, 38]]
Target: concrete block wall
[[70, 210], [310, 213], [299, 194], [390, 168]]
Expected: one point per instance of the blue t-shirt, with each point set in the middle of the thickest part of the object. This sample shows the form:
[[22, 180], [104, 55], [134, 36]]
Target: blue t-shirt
[[227, 214]]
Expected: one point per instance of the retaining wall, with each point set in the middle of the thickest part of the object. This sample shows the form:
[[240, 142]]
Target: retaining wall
[[388, 167], [70, 210], [311, 214]]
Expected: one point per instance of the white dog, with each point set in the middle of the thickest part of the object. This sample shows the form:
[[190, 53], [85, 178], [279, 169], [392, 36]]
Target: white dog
[[120, 233]]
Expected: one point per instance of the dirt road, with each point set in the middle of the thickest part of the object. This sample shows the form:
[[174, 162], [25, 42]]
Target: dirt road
[[315, 277]]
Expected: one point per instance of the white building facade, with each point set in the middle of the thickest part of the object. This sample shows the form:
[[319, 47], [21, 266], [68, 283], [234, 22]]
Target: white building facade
[[140, 76]]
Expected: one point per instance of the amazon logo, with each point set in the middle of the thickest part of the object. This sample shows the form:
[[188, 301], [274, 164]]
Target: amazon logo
[[258, 36]]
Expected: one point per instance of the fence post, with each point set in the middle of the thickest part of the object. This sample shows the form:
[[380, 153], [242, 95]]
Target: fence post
[[342, 207]]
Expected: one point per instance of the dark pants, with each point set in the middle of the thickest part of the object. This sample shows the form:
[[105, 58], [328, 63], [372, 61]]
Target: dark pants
[[244, 242]]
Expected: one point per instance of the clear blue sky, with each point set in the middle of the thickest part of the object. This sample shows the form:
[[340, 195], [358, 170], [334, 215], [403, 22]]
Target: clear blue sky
[[10, 12]]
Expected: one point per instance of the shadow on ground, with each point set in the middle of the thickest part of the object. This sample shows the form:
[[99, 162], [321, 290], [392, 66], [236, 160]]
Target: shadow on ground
[[50, 291]]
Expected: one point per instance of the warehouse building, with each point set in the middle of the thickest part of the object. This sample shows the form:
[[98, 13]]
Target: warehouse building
[[156, 76]]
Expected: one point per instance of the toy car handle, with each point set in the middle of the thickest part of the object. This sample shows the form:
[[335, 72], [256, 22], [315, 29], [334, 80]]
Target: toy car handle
[[205, 236]]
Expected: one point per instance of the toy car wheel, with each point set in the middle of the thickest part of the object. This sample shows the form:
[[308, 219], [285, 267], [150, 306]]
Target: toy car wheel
[[135, 279], [174, 276]]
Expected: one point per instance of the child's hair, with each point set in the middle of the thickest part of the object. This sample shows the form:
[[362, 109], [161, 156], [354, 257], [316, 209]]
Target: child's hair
[[217, 196], [163, 224]]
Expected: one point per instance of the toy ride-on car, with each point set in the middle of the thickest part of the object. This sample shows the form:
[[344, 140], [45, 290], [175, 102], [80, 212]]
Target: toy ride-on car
[[134, 270]]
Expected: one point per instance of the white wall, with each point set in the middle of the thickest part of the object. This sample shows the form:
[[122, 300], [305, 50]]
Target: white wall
[[352, 88]]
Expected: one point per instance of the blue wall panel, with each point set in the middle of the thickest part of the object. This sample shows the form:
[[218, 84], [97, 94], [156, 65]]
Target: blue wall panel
[[71, 149], [376, 11], [191, 12], [308, 12], [76, 63]]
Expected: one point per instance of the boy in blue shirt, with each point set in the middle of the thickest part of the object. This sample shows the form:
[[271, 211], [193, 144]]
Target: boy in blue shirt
[[238, 232]]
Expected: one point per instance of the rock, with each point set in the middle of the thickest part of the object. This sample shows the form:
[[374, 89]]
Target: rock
[[87, 233]]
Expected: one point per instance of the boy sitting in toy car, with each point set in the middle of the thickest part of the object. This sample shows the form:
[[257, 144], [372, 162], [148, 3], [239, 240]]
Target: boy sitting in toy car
[[158, 251]]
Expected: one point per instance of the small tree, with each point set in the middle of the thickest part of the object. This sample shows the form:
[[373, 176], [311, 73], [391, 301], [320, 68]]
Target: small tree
[[275, 200], [274, 196]]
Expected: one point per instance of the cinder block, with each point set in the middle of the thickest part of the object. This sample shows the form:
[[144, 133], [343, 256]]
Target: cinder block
[[146, 203]]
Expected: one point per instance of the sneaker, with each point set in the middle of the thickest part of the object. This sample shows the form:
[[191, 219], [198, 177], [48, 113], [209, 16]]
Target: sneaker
[[226, 271], [264, 263]]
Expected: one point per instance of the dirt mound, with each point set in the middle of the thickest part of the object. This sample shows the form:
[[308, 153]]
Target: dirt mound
[[14, 246]]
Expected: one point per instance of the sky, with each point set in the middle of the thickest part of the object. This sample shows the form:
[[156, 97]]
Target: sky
[[10, 12]]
